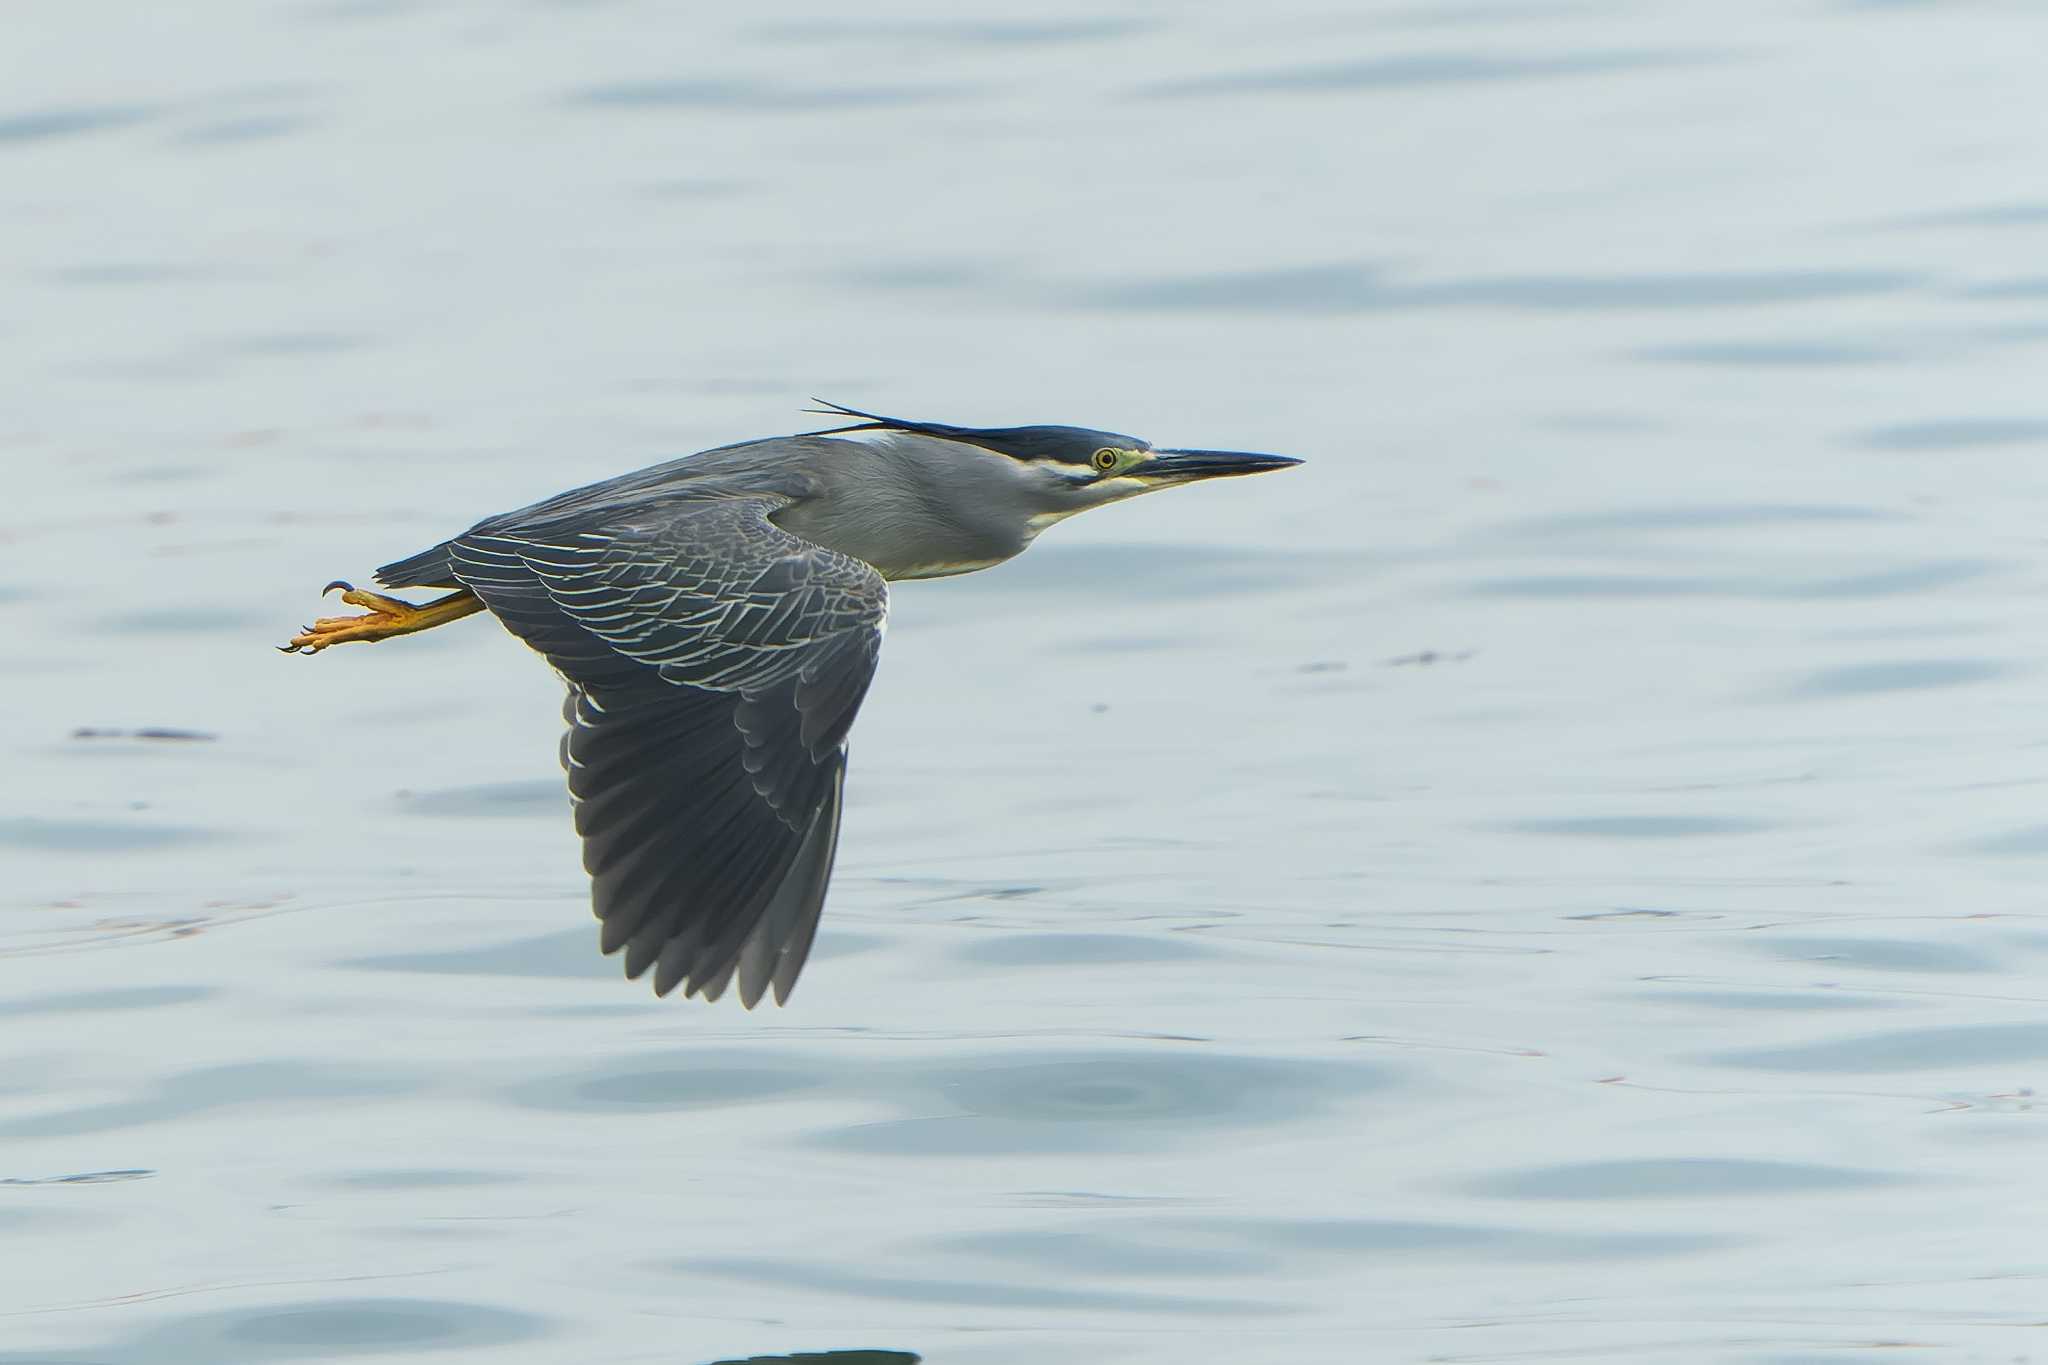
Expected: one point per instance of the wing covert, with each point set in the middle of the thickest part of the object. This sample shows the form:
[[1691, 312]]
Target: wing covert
[[715, 664]]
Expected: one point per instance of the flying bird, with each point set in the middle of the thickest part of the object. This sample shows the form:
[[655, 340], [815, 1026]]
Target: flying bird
[[717, 620]]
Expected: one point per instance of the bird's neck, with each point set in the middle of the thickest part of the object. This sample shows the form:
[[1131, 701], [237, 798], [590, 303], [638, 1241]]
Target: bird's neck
[[915, 507]]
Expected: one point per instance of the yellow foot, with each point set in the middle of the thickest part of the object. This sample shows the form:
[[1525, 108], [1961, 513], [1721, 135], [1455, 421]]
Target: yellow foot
[[387, 617]]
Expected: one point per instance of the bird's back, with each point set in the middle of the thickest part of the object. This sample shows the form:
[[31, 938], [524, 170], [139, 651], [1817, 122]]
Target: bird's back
[[774, 467]]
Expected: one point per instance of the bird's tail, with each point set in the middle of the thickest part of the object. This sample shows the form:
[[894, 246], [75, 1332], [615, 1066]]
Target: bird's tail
[[427, 569]]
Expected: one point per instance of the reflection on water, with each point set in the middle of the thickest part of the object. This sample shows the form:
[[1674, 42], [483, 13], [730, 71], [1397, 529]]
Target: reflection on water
[[1656, 983]]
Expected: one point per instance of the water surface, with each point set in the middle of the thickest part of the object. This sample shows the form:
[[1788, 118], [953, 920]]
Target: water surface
[[1556, 877]]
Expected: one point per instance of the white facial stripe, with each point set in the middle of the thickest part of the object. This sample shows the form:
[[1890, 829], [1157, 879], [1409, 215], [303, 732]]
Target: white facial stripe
[[1097, 492], [1038, 521]]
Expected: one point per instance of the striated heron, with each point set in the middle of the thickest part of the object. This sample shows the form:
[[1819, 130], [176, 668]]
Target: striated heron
[[717, 620]]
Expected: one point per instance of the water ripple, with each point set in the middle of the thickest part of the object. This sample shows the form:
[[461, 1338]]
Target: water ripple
[[1641, 826], [542, 796], [1109, 1254], [1339, 289], [1878, 954], [313, 1329], [675, 1081], [102, 836], [209, 1088], [1112, 1099], [1775, 1000], [984, 1294], [1424, 69], [113, 998], [41, 124], [884, 32], [1957, 433], [1925, 576], [1078, 950], [1690, 517], [2018, 214], [1928, 1049], [750, 96], [420, 1179], [1898, 675], [1396, 1238], [1678, 1178], [1773, 354]]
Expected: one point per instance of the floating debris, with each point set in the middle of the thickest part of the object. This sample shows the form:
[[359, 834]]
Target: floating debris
[[160, 732]]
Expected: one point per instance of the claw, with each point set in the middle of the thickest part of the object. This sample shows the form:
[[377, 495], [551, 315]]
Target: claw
[[388, 616]]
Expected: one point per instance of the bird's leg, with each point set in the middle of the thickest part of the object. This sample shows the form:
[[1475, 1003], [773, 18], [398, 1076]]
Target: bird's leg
[[387, 617]]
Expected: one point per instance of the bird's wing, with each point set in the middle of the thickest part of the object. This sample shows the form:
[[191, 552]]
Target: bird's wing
[[715, 663]]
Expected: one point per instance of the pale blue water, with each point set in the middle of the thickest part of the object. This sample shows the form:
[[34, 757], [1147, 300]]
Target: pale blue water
[[1555, 878]]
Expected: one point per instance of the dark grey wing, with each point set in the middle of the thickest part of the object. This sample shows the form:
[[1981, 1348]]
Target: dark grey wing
[[715, 663]]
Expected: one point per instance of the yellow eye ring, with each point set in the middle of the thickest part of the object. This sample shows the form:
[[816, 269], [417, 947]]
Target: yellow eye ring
[[1105, 459]]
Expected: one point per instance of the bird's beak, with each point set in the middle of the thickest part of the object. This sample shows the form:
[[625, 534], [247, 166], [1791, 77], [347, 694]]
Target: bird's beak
[[1185, 466]]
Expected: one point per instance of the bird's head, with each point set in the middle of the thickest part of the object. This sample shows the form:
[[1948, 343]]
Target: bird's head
[[1072, 469]]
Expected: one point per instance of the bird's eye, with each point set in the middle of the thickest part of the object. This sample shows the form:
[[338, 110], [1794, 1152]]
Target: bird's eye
[[1105, 459]]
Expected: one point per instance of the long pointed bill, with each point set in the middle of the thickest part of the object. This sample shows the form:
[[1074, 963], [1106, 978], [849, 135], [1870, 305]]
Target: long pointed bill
[[1184, 466]]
